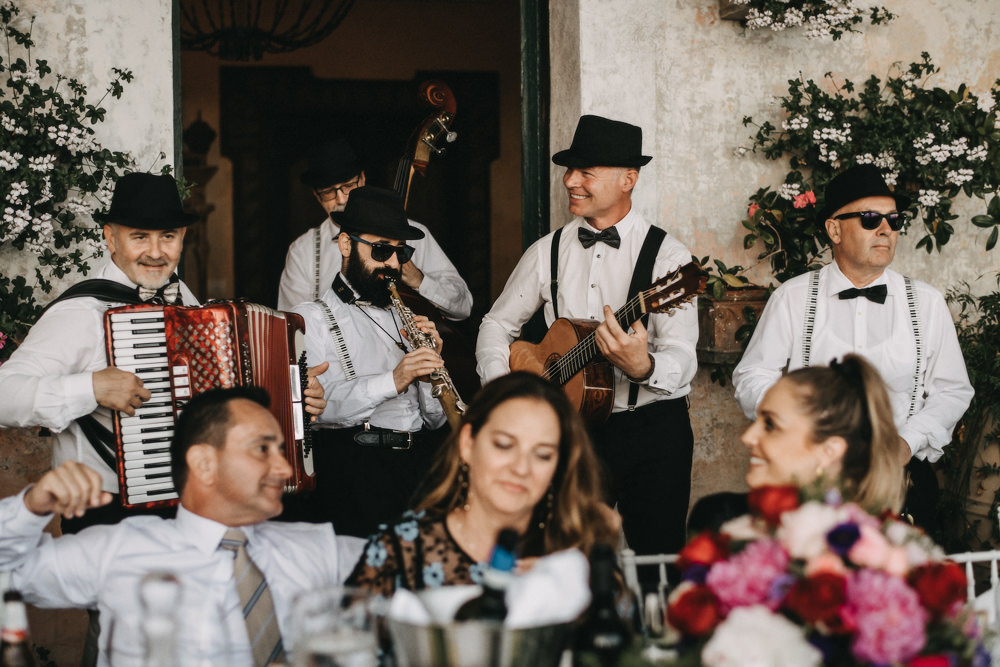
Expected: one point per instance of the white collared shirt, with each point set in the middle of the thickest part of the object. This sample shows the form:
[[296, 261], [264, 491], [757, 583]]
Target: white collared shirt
[[48, 380], [442, 285], [102, 567], [371, 335], [589, 278], [883, 334]]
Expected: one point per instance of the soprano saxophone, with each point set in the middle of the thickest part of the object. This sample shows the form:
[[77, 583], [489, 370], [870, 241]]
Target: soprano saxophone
[[442, 388]]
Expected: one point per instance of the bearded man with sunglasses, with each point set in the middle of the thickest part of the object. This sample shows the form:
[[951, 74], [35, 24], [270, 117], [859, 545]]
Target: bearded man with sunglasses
[[334, 172], [858, 304], [381, 426]]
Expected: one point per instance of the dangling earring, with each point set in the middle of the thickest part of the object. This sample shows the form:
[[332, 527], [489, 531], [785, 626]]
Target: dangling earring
[[550, 501], [463, 483]]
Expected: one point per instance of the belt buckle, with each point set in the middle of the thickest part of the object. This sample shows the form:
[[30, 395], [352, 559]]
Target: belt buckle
[[409, 440]]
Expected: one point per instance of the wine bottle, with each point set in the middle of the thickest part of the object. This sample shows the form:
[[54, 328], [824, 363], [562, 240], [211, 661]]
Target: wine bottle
[[491, 605], [603, 633], [15, 647]]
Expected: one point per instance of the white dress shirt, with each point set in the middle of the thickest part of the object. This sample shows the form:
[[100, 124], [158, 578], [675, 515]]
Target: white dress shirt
[[372, 348], [589, 278], [442, 285], [102, 566], [48, 380], [883, 334]]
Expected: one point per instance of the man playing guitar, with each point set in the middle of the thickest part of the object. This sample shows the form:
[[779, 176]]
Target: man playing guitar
[[600, 262]]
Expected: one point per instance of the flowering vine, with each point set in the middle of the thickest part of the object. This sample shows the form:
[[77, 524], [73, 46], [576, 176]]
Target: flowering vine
[[53, 173], [819, 18], [931, 143]]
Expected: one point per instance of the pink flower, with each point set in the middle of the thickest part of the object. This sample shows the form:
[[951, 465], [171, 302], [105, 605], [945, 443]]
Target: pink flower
[[746, 578], [871, 549], [753, 209], [887, 616], [804, 199], [827, 562]]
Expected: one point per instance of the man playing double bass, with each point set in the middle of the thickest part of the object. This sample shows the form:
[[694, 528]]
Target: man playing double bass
[[646, 445]]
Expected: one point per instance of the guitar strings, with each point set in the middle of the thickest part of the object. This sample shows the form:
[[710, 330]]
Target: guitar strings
[[587, 347]]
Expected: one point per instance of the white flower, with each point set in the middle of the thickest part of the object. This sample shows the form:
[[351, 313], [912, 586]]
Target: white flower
[[803, 532], [824, 114], [789, 190], [891, 177], [17, 190], [10, 161], [978, 154], [985, 102], [929, 198], [755, 637], [43, 163], [796, 123], [740, 151], [959, 176]]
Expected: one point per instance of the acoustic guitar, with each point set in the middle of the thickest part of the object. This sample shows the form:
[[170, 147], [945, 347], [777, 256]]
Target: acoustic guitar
[[568, 354]]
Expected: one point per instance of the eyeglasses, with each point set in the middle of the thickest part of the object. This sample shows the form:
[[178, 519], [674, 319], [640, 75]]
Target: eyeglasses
[[872, 219], [326, 194], [381, 252]]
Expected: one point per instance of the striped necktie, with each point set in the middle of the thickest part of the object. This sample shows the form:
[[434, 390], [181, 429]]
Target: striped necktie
[[255, 598]]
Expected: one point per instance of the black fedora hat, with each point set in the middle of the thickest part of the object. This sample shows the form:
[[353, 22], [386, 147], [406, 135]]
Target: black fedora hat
[[377, 211], [858, 182], [602, 142], [146, 201], [331, 162]]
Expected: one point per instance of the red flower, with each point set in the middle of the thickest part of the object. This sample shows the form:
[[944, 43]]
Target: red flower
[[704, 549], [770, 502], [694, 610], [818, 599], [929, 661], [753, 209], [939, 586]]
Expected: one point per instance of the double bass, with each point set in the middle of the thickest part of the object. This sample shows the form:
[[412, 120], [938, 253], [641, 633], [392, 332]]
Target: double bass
[[430, 139]]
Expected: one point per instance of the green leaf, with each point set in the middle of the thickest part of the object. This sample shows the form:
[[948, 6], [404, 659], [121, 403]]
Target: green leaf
[[983, 221], [992, 241]]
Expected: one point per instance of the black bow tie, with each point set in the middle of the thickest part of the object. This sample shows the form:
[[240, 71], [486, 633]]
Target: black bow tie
[[875, 293], [169, 294], [589, 237]]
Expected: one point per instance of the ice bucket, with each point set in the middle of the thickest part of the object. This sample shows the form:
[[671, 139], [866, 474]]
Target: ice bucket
[[477, 644]]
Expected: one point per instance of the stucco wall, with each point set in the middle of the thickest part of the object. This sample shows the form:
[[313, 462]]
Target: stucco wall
[[687, 78], [85, 39]]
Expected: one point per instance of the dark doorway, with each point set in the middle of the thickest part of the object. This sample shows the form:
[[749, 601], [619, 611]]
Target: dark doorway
[[269, 116]]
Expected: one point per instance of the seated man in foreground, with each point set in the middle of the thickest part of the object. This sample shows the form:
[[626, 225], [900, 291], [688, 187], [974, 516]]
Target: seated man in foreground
[[228, 460]]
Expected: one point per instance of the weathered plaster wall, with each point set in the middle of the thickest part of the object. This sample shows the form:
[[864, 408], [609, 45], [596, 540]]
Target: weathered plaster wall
[[85, 39], [688, 78]]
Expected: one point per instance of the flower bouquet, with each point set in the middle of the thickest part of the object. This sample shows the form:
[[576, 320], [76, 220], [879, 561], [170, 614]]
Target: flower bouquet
[[802, 582]]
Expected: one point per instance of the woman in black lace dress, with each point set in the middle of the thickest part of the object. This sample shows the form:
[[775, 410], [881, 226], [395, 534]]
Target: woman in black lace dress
[[520, 459]]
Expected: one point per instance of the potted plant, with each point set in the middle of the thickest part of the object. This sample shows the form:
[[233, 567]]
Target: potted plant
[[820, 18]]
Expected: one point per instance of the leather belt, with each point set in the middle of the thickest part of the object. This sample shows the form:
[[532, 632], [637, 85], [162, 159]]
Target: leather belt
[[373, 436]]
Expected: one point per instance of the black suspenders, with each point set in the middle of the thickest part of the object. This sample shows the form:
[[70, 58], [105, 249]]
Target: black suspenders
[[642, 276]]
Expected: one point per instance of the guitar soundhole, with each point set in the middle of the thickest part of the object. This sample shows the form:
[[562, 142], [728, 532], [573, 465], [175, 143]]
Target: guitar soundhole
[[551, 359]]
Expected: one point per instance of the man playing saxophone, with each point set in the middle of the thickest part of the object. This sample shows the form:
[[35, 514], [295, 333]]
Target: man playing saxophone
[[382, 424]]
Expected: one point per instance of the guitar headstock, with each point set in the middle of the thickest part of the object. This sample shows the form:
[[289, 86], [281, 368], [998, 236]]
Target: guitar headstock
[[674, 289]]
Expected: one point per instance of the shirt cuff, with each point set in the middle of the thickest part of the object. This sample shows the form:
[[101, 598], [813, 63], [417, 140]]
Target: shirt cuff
[[382, 387], [22, 520]]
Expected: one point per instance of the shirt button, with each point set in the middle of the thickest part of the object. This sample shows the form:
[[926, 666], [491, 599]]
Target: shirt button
[[592, 285], [598, 255]]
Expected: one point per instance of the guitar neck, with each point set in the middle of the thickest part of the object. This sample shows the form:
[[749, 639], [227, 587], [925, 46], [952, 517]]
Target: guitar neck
[[584, 352]]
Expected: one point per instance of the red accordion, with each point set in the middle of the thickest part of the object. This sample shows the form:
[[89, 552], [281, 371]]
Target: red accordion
[[181, 351]]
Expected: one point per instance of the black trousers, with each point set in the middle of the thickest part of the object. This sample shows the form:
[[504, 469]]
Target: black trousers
[[647, 456], [359, 487]]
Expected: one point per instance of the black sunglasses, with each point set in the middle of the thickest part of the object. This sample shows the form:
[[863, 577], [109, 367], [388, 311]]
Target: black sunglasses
[[381, 252], [872, 219]]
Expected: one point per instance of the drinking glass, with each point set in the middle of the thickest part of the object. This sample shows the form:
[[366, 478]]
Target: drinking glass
[[333, 627]]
